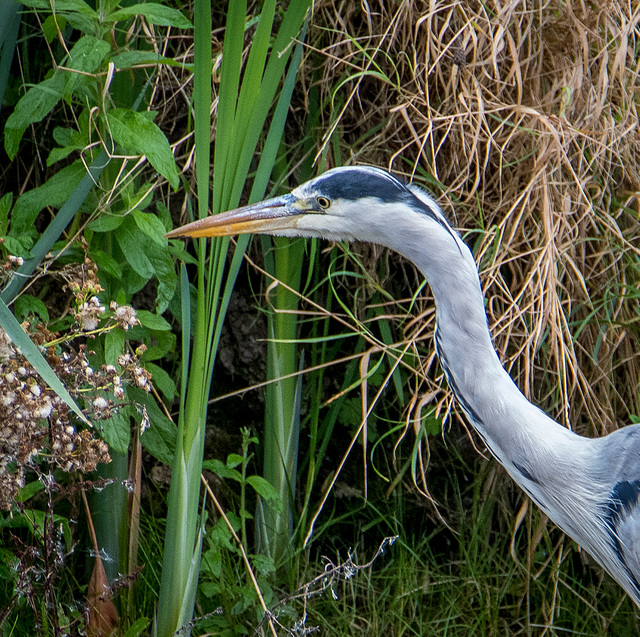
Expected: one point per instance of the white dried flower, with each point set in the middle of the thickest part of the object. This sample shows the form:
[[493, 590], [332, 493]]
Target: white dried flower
[[35, 389], [100, 403], [126, 316], [43, 411]]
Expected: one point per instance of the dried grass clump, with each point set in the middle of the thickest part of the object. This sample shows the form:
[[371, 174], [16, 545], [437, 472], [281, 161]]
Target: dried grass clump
[[526, 115]]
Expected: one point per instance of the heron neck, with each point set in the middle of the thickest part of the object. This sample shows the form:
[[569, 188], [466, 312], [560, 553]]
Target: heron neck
[[483, 388]]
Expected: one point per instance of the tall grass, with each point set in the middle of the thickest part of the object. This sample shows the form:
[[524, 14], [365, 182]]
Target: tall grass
[[242, 110]]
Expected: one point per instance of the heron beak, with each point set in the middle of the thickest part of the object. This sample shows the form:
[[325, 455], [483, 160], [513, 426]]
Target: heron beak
[[280, 213]]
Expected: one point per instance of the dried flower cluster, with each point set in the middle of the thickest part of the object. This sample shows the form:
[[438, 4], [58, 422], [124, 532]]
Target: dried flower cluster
[[35, 423]]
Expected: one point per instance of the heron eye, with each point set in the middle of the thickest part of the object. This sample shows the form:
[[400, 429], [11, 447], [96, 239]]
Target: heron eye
[[323, 202]]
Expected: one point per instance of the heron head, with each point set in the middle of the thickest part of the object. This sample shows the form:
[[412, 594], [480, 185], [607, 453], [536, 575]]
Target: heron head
[[352, 202]]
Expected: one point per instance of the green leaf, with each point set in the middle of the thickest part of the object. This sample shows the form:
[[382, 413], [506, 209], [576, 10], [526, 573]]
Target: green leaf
[[162, 381], [116, 431], [35, 520], [54, 192], [113, 345], [167, 277], [263, 564], [18, 247], [153, 321], [29, 490], [155, 13], [70, 139], [160, 438], [138, 627], [84, 57], [137, 199], [233, 460], [165, 342], [106, 222], [51, 25], [5, 205], [127, 236], [106, 263], [34, 106], [151, 226], [26, 304], [212, 563], [265, 490], [78, 6], [134, 132], [220, 469], [176, 248], [432, 425]]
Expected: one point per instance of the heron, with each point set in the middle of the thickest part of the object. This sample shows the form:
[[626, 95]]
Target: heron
[[589, 487]]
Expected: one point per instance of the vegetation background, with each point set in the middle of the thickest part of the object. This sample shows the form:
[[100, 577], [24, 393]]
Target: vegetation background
[[329, 426]]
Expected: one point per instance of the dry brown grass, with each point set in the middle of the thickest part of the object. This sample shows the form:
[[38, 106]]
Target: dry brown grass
[[526, 116]]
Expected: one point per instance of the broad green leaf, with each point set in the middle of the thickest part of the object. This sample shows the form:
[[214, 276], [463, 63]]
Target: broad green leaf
[[212, 562], [57, 154], [164, 214], [27, 304], [78, 6], [137, 199], [220, 469], [234, 460], [138, 627], [84, 57], [113, 345], [35, 520], [167, 278], [18, 247], [51, 25], [151, 226], [54, 192], [165, 342], [70, 139], [135, 133], [128, 237], [116, 431], [265, 490], [5, 205], [263, 564], [155, 13], [77, 12], [160, 438], [106, 222], [152, 321], [162, 381], [30, 351], [176, 249], [32, 107], [29, 490], [106, 263]]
